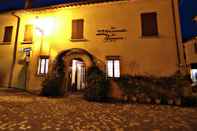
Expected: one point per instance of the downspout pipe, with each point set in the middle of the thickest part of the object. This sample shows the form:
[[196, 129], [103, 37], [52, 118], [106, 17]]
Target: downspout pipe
[[15, 49], [175, 31], [179, 45]]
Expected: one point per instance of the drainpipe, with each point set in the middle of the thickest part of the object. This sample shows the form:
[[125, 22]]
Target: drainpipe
[[179, 44], [15, 49]]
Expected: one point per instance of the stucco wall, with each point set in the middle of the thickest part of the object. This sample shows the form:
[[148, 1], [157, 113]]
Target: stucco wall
[[6, 49], [138, 55], [191, 55]]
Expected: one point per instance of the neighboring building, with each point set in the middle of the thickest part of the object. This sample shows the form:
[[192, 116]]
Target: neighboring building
[[140, 37], [191, 56]]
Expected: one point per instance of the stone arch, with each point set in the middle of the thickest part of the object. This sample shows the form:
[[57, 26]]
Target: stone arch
[[64, 59], [77, 53]]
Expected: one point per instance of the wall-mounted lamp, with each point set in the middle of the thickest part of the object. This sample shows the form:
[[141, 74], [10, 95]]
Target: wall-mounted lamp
[[195, 18], [45, 26]]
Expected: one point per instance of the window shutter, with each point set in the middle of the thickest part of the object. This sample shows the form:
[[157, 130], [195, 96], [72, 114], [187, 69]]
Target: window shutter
[[28, 36], [8, 34], [77, 29], [195, 47], [149, 24]]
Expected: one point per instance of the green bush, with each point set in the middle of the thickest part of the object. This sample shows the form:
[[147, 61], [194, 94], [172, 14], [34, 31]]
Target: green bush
[[98, 85]]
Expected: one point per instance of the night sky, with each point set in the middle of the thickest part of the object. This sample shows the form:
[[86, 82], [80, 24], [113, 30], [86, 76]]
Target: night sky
[[188, 9]]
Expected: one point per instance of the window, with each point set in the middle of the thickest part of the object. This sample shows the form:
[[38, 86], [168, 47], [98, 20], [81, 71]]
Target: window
[[43, 64], [193, 72], [28, 35], [113, 67], [77, 29], [149, 24], [195, 47], [8, 34]]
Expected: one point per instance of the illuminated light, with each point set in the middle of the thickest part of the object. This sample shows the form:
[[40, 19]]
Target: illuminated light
[[44, 26], [110, 68], [195, 18], [42, 71], [46, 65], [74, 68], [38, 32], [113, 68], [116, 68], [193, 73], [43, 66]]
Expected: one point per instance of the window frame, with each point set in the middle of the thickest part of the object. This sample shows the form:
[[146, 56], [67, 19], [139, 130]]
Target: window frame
[[195, 47], [76, 34], [113, 59], [193, 72], [9, 36], [26, 33], [154, 19], [46, 65]]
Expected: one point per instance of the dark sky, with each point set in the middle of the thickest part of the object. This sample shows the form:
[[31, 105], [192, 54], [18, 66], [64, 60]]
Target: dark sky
[[188, 9]]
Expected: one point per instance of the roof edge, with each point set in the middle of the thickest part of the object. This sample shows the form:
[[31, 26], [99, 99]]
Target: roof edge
[[60, 5]]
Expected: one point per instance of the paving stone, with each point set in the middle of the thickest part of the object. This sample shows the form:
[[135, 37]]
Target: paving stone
[[21, 111]]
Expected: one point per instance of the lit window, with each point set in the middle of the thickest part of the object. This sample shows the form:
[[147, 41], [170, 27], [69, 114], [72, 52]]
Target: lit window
[[43, 64], [194, 75], [110, 68], [193, 72], [113, 68], [116, 68]]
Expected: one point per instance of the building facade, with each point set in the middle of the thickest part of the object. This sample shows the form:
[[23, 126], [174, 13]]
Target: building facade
[[122, 37], [191, 58]]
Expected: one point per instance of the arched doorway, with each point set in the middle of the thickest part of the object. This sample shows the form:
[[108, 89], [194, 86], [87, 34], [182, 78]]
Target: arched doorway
[[75, 64]]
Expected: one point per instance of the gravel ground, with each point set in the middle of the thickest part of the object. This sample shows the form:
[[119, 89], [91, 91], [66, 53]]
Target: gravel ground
[[20, 111]]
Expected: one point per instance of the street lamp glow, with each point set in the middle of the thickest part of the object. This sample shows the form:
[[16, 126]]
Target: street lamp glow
[[44, 26]]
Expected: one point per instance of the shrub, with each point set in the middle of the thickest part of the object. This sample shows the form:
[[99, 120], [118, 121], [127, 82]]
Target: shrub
[[133, 84], [189, 101], [163, 88], [52, 87], [98, 85]]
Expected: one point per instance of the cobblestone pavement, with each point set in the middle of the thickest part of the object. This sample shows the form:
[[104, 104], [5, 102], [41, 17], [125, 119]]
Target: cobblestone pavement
[[24, 112]]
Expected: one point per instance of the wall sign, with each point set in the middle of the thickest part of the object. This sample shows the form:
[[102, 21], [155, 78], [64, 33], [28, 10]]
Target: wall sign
[[111, 34], [27, 49]]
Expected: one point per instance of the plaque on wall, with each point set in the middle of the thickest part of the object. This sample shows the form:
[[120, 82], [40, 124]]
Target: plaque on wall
[[111, 34]]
